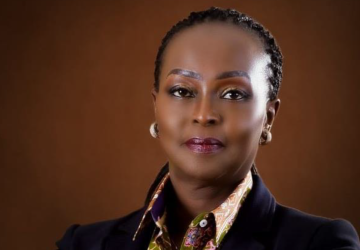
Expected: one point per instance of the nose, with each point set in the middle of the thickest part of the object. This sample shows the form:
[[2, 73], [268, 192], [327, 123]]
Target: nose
[[205, 113]]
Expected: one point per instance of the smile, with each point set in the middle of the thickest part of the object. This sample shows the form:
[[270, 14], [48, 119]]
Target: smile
[[204, 146]]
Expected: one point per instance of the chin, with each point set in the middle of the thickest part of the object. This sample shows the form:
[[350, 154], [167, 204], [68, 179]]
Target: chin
[[199, 168]]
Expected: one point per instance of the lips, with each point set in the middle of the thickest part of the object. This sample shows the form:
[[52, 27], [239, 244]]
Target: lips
[[204, 146]]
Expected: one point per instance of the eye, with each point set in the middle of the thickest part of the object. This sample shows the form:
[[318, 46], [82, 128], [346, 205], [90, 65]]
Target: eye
[[234, 94], [181, 92]]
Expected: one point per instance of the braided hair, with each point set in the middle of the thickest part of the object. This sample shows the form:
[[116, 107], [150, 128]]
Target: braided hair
[[241, 20]]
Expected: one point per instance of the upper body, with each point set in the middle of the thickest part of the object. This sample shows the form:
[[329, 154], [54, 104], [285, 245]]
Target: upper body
[[217, 78], [262, 223]]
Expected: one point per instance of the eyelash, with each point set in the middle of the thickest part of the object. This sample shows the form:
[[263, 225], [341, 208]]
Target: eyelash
[[177, 88], [241, 93]]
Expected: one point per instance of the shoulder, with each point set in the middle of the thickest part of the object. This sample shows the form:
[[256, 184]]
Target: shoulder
[[89, 235], [316, 231], [335, 234]]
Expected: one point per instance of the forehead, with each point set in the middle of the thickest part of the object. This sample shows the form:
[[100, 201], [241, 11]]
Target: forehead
[[213, 47]]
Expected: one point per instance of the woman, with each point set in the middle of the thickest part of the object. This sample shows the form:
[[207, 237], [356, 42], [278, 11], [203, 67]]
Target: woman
[[217, 78]]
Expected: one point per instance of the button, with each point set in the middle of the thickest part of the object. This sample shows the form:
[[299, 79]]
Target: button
[[203, 223]]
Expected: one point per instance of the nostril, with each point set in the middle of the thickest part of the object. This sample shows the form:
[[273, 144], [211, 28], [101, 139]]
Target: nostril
[[212, 121], [205, 121]]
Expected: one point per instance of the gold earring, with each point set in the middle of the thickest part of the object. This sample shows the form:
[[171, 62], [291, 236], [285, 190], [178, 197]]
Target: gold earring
[[266, 136], [154, 130]]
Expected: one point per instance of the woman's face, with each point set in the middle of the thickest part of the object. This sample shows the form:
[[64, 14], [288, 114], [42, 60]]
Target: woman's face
[[213, 84]]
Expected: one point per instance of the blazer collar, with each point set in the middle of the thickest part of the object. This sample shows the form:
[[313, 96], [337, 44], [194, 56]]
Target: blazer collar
[[255, 215], [131, 224], [258, 210]]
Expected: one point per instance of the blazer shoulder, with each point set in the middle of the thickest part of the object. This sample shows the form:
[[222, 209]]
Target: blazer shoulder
[[319, 232], [289, 214], [335, 234], [86, 236]]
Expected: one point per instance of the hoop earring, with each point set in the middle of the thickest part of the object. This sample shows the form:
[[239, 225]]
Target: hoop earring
[[266, 136], [154, 130]]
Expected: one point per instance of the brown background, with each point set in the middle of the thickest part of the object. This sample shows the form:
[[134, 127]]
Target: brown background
[[75, 109]]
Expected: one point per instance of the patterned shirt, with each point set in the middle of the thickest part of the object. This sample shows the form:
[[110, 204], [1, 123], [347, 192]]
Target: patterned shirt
[[206, 231]]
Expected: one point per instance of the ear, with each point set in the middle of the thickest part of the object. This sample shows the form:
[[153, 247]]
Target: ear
[[154, 96], [272, 109]]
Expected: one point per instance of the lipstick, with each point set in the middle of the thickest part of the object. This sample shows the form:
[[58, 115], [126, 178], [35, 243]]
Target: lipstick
[[204, 146]]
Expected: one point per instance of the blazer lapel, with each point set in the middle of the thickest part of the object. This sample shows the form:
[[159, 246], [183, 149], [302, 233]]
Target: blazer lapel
[[121, 238], [251, 229]]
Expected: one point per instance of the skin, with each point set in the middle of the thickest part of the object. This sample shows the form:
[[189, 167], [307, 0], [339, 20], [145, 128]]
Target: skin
[[233, 108]]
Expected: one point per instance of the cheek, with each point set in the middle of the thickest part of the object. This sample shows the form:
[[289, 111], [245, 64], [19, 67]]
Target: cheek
[[244, 125], [245, 118], [170, 117]]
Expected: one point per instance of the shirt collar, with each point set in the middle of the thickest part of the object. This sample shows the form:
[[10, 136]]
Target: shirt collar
[[224, 214], [156, 205]]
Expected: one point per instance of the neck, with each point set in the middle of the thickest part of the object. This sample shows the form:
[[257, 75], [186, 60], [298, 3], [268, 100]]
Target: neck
[[196, 198], [190, 198], [185, 202]]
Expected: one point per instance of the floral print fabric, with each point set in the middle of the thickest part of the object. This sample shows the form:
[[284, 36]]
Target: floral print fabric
[[206, 231]]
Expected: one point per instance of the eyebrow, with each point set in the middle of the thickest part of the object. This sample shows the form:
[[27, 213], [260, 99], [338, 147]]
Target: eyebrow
[[234, 73], [187, 73], [197, 76]]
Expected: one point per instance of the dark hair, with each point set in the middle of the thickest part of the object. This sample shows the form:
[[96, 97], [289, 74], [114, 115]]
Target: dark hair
[[239, 19]]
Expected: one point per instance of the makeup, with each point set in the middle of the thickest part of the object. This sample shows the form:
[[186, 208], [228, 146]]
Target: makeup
[[204, 145]]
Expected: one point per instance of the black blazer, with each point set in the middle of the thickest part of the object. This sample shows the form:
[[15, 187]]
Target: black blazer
[[262, 224]]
